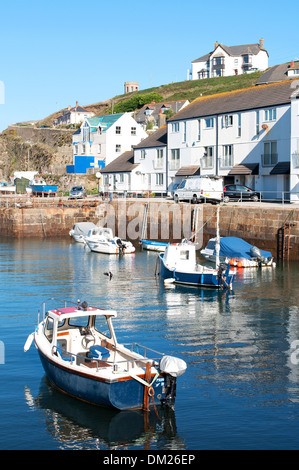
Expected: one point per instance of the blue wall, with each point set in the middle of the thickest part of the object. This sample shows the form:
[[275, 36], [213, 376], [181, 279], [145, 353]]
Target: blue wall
[[82, 163]]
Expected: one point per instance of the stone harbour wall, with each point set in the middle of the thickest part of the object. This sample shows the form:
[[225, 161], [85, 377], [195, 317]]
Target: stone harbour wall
[[165, 221]]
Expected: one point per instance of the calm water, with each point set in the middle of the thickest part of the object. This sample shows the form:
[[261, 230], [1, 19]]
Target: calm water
[[240, 391]]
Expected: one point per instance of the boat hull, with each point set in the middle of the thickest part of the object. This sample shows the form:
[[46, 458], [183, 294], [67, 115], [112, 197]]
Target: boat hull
[[153, 246], [121, 394], [102, 247], [205, 279]]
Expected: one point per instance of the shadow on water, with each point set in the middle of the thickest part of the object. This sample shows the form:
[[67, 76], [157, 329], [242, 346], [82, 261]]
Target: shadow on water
[[76, 424]]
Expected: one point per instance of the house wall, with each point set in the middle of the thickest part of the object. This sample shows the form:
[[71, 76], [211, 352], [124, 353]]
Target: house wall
[[248, 147]]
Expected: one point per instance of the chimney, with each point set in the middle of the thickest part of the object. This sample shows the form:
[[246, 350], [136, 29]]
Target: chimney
[[216, 44], [261, 43], [292, 64], [77, 104], [161, 120], [69, 107]]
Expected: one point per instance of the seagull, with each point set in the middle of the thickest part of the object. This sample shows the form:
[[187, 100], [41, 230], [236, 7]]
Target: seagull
[[109, 274]]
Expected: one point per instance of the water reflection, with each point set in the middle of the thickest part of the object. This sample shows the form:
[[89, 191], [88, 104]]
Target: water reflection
[[79, 425]]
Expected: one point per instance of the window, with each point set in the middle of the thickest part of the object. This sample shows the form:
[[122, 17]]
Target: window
[[227, 120], [117, 148], [86, 132], [257, 115], [198, 129], [218, 60], [159, 158], [76, 149], [117, 130], [142, 154], [83, 148], [227, 156], [270, 156], [208, 157], [239, 124], [270, 114], [99, 148], [185, 130], [175, 127], [133, 130], [159, 179], [174, 163], [121, 178], [209, 123]]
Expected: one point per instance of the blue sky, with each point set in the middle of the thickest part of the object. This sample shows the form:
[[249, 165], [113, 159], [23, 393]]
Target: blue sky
[[55, 53]]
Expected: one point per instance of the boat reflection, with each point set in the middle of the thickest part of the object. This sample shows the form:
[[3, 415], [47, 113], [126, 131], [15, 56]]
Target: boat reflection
[[80, 425]]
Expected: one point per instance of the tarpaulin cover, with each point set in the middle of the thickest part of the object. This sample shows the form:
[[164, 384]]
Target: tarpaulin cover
[[234, 247], [172, 366], [82, 228]]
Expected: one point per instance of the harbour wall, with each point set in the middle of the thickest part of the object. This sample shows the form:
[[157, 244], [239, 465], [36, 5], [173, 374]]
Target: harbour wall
[[163, 221]]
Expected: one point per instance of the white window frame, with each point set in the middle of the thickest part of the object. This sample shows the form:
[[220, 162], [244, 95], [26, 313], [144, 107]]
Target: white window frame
[[117, 148], [159, 158], [208, 157], [270, 115], [175, 158], [175, 127], [118, 130], [159, 179], [227, 160], [133, 130], [209, 123], [270, 158], [227, 120], [198, 130], [142, 154]]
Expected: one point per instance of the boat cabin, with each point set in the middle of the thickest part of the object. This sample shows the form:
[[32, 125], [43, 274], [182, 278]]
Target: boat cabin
[[101, 232], [180, 256]]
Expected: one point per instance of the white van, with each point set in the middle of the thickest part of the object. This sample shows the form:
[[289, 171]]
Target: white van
[[199, 189]]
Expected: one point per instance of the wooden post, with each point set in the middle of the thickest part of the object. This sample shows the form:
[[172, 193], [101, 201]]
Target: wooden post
[[147, 377]]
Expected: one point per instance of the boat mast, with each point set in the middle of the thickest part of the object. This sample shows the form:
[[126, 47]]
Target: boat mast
[[217, 240]]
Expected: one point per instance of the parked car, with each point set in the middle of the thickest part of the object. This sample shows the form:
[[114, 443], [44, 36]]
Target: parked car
[[240, 192], [77, 192]]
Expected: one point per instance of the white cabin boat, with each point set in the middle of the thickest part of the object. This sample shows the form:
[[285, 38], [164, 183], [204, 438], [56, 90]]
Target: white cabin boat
[[101, 240], [80, 230]]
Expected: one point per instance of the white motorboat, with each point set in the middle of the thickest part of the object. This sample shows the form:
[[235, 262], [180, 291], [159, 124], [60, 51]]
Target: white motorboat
[[101, 240], [80, 230]]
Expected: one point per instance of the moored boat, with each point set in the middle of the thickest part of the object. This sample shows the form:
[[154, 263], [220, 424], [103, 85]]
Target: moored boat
[[178, 264], [80, 230], [152, 245], [238, 253], [80, 354], [102, 240]]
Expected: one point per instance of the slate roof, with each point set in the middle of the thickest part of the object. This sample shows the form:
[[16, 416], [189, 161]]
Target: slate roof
[[234, 51], [156, 139], [276, 73], [123, 164], [256, 97], [156, 107]]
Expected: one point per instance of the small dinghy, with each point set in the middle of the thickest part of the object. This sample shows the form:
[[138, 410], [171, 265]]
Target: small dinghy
[[152, 245], [80, 354]]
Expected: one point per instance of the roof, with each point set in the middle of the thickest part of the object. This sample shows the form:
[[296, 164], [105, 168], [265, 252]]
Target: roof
[[123, 164], [277, 73], [156, 107], [70, 312], [103, 121], [255, 97], [191, 170], [282, 168], [235, 51], [245, 169], [156, 139]]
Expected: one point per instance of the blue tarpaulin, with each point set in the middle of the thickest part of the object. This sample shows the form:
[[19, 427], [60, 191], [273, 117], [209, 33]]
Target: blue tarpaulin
[[233, 247]]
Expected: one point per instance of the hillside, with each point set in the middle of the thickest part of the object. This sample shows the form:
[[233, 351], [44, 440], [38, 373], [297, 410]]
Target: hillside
[[187, 90]]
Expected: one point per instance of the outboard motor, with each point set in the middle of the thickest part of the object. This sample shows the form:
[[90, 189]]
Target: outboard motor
[[172, 368], [120, 244], [222, 268], [256, 253]]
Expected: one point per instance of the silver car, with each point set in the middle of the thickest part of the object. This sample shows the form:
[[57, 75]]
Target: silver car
[[77, 192]]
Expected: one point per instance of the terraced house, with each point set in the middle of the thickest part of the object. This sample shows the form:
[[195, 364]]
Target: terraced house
[[101, 139], [248, 136]]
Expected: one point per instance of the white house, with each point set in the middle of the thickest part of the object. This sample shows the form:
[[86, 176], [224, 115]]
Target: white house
[[224, 61], [74, 115], [250, 136], [143, 170], [101, 139]]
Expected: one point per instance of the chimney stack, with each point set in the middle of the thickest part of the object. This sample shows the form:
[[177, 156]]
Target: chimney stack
[[216, 44], [261, 43], [77, 104]]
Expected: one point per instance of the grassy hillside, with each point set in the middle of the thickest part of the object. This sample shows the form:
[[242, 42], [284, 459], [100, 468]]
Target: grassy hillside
[[187, 90]]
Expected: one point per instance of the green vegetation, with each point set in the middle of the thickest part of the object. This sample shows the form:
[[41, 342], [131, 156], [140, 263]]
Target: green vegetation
[[136, 102]]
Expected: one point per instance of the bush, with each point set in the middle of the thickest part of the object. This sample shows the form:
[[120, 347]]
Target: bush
[[136, 102]]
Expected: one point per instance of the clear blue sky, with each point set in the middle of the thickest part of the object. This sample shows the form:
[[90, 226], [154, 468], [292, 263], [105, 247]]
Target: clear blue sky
[[54, 53]]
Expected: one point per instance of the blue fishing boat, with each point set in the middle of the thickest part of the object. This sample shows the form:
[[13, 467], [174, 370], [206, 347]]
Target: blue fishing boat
[[152, 245], [81, 357], [178, 264]]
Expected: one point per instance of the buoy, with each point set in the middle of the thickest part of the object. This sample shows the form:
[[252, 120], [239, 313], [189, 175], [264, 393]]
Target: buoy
[[239, 264]]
